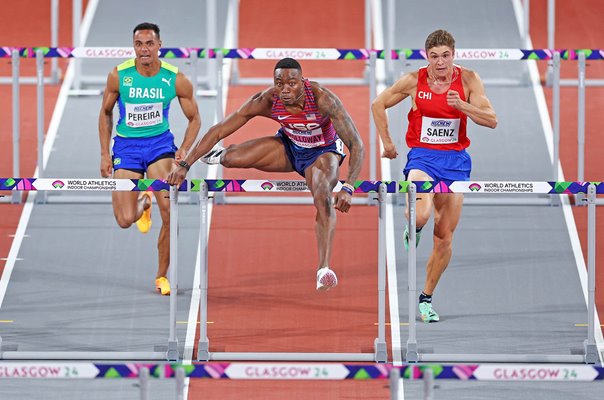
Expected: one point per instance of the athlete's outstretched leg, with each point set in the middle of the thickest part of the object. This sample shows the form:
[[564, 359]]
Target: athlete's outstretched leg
[[266, 154], [321, 178], [160, 170], [447, 211]]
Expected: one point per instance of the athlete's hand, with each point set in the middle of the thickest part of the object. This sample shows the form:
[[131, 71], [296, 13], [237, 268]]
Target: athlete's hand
[[453, 99], [343, 201], [177, 175], [106, 166], [390, 151], [180, 154]]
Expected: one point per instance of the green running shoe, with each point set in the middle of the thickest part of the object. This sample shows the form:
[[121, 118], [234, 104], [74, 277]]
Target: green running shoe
[[427, 314], [418, 236]]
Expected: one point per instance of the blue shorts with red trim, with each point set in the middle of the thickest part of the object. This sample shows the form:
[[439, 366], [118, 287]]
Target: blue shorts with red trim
[[136, 154], [302, 157], [451, 165]]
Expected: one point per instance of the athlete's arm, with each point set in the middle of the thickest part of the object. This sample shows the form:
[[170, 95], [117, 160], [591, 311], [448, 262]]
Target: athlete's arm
[[330, 105], [184, 92], [110, 96], [390, 97], [257, 105], [478, 107], [254, 106]]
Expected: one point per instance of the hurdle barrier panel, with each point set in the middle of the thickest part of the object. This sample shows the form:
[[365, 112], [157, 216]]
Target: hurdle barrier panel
[[590, 349], [231, 185], [308, 372], [169, 352], [219, 54]]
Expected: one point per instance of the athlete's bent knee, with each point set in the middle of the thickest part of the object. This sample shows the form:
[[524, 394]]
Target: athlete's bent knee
[[444, 242], [124, 221], [227, 160]]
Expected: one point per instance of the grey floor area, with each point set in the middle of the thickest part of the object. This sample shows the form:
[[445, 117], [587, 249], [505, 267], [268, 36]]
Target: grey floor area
[[84, 284], [512, 285]]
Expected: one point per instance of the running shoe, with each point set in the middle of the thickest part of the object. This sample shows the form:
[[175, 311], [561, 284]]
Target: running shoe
[[326, 279], [162, 285], [213, 156], [144, 222], [418, 236], [427, 313]]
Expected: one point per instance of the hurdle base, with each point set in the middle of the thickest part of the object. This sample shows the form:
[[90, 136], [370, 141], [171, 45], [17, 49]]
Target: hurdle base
[[334, 357], [172, 351], [203, 350], [411, 354], [592, 355], [381, 351]]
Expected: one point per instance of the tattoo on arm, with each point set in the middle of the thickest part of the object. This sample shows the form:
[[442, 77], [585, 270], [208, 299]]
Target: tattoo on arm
[[346, 130]]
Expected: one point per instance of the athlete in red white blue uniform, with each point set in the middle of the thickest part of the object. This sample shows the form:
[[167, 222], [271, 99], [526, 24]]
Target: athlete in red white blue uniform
[[443, 97], [314, 129]]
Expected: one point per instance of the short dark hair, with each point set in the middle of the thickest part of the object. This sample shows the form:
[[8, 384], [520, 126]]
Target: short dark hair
[[288, 63], [147, 26], [440, 38]]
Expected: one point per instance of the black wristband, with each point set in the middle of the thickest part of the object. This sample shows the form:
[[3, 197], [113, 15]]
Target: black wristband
[[184, 164]]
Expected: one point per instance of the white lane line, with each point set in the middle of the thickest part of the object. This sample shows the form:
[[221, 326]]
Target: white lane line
[[229, 42], [566, 207], [395, 333], [51, 135]]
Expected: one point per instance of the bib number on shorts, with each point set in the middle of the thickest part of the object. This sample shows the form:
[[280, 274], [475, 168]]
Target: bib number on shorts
[[440, 130], [147, 114], [307, 139]]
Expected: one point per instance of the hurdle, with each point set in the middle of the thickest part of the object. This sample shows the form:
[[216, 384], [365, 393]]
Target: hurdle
[[380, 353], [216, 56], [168, 352], [307, 372], [590, 189]]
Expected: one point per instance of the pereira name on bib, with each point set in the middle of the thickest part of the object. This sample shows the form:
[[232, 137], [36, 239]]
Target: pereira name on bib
[[148, 114]]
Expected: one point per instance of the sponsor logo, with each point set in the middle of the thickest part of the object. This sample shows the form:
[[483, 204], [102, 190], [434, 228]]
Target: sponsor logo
[[166, 80], [91, 184], [127, 81], [267, 186], [282, 117], [144, 107], [58, 184], [475, 187], [440, 123]]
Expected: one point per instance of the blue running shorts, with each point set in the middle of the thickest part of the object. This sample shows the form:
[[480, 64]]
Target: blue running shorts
[[450, 165], [136, 154], [302, 158]]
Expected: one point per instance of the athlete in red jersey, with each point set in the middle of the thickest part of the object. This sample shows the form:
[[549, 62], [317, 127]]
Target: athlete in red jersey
[[314, 127], [443, 96]]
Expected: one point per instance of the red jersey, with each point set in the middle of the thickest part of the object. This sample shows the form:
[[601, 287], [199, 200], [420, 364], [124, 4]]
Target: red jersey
[[307, 129], [435, 124]]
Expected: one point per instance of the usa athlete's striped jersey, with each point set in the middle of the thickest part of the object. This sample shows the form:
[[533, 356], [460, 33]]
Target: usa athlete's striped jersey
[[307, 129]]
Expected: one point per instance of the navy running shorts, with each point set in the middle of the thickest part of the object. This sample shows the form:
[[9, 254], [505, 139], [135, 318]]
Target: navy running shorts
[[302, 158]]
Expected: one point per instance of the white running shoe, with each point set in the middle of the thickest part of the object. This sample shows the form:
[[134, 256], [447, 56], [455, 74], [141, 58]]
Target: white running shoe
[[214, 155], [326, 279]]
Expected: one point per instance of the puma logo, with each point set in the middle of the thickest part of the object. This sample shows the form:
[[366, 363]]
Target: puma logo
[[166, 80]]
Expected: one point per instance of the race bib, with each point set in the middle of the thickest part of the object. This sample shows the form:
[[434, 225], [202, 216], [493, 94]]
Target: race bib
[[148, 114], [307, 139], [440, 130]]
